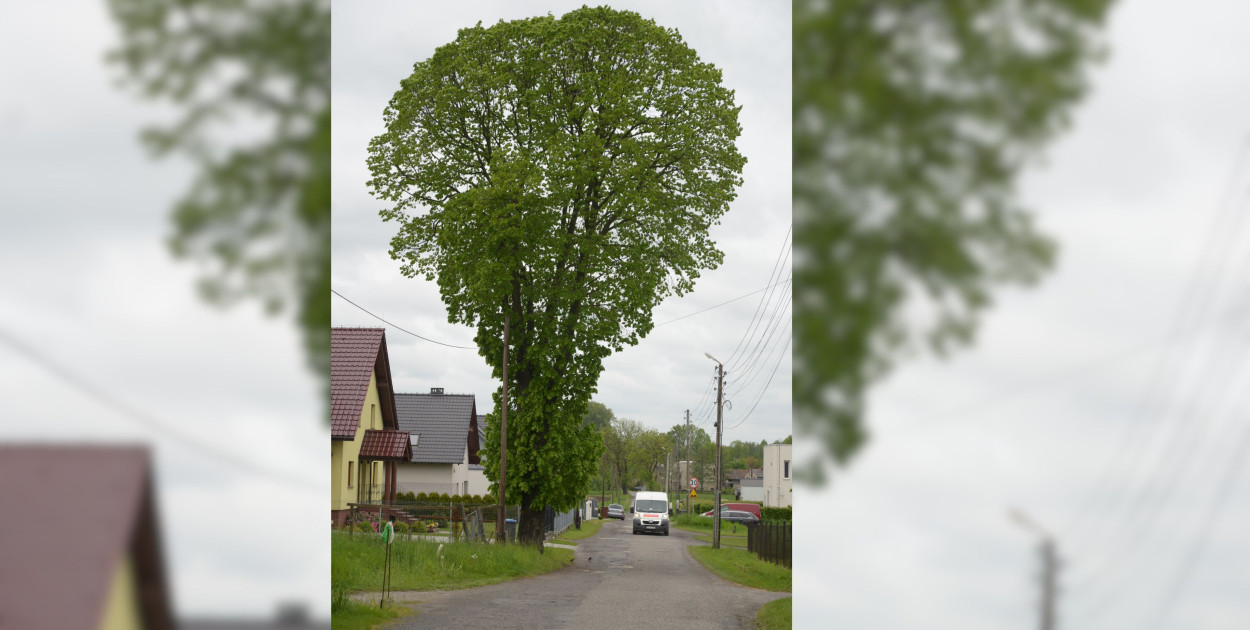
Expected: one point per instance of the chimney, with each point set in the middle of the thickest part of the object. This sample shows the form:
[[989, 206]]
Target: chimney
[[436, 390]]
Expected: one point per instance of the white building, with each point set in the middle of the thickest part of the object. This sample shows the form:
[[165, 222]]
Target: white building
[[444, 435], [778, 476]]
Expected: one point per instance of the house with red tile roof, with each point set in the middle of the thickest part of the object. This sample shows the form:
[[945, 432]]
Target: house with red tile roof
[[81, 545], [366, 443]]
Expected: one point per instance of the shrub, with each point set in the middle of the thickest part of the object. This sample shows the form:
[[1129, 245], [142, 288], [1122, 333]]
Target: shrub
[[444, 498], [477, 498], [455, 498], [421, 497], [401, 527], [489, 499], [365, 527], [777, 514]]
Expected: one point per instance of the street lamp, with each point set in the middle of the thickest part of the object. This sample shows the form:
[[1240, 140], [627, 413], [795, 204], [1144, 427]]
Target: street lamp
[[720, 388], [1050, 565]]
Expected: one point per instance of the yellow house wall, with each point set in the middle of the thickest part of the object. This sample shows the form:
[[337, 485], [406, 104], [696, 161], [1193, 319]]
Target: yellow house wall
[[344, 451], [121, 609]]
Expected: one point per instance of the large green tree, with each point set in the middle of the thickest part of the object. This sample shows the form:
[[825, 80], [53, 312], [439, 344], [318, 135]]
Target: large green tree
[[912, 121], [560, 175], [249, 85]]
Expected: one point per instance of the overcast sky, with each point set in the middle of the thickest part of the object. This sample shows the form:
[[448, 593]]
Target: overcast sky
[[376, 45], [1079, 405], [87, 283]]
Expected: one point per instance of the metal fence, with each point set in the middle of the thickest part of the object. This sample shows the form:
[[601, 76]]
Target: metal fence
[[771, 541], [557, 522]]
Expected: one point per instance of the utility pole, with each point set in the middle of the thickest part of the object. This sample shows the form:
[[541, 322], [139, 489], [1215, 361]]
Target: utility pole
[[501, 530], [667, 487], [687, 460], [1050, 569], [720, 392]]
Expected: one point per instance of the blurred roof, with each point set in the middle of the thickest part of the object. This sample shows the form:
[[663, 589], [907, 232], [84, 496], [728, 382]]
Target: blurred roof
[[355, 354], [74, 513], [442, 423]]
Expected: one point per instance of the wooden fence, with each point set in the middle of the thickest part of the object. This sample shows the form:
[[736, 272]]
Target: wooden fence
[[771, 541]]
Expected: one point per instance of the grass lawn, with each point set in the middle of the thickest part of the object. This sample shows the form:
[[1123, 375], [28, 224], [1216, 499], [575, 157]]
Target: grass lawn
[[570, 535], [350, 615], [416, 565], [775, 615], [743, 567], [727, 539], [692, 523]]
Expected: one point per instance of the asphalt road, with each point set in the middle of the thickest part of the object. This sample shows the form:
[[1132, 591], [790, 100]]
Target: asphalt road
[[615, 578]]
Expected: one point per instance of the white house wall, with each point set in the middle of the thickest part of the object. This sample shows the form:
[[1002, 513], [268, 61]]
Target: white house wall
[[777, 485]]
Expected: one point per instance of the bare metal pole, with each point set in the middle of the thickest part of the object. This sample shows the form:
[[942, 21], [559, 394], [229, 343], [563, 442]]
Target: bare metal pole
[[687, 460], [501, 532]]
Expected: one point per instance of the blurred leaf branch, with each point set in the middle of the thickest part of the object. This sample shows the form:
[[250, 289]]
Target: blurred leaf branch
[[911, 123], [249, 85]]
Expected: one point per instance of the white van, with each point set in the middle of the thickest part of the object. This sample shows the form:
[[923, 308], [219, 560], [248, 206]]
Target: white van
[[650, 512]]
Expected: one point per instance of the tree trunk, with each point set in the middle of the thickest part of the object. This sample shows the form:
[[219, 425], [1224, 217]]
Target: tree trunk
[[532, 528]]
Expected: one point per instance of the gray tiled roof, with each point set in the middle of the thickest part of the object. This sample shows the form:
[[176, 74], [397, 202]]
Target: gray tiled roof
[[441, 421]]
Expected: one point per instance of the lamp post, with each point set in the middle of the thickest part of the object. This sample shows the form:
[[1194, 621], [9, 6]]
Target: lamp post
[[720, 383], [1050, 563]]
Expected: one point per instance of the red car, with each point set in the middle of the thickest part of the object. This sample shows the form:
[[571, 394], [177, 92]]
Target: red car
[[739, 507]]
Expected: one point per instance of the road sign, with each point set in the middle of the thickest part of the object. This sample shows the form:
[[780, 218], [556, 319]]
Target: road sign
[[693, 494], [694, 482]]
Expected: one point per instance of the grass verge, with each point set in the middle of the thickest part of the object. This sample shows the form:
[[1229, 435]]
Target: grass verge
[[418, 565], [743, 567], [775, 615], [589, 528], [737, 541], [350, 615]]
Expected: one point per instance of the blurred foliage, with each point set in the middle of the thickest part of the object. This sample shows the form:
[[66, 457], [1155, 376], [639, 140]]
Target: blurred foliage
[[249, 84], [911, 122]]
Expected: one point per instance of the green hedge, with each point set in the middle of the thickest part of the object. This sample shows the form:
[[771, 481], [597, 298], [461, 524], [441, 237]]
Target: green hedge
[[777, 514]]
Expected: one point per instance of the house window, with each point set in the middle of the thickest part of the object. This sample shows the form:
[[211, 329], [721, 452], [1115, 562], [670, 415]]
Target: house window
[[787, 473], [349, 474], [373, 414]]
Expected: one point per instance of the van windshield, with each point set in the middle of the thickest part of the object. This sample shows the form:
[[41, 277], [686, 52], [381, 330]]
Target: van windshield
[[650, 505]]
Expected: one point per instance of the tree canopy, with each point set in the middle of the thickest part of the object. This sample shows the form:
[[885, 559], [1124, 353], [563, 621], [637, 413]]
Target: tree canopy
[[912, 121], [561, 174]]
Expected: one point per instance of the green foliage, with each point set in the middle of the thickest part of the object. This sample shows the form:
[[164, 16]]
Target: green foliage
[[776, 513], [744, 567], [590, 155], [258, 210], [416, 563], [912, 121], [401, 527], [365, 527], [598, 415], [775, 615]]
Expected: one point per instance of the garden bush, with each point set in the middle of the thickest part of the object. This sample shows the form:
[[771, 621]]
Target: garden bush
[[777, 514], [401, 527]]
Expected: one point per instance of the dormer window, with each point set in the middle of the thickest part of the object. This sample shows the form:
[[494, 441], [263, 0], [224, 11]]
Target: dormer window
[[413, 438]]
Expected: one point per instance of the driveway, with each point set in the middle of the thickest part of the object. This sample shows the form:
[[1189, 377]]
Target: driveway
[[615, 578]]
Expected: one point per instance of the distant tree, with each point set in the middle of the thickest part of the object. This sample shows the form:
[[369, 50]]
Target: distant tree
[[563, 174], [598, 415], [912, 121]]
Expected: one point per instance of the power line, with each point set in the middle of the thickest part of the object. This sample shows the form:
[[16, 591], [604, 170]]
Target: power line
[[397, 327], [139, 417], [787, 249], [787, 281], [761, 396]]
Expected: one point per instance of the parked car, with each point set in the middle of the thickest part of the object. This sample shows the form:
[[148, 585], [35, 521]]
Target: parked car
[[736, 516], [616, 511], [741, 507]]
